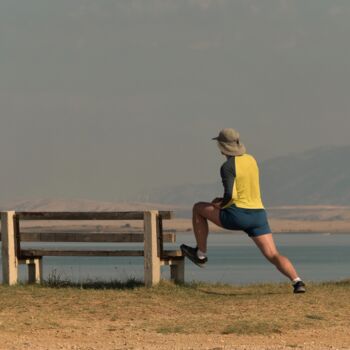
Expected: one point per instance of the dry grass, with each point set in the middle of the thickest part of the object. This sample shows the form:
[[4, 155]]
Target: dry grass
[[111, 316], [187, 309]]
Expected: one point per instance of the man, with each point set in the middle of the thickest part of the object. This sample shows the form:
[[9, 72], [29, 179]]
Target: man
[[241, 208]]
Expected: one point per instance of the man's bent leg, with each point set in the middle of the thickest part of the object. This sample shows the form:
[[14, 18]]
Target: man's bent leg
[[267, 246], [202, 212]]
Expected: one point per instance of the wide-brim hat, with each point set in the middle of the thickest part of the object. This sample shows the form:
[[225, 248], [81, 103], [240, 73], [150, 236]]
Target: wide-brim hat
[[229, 143]]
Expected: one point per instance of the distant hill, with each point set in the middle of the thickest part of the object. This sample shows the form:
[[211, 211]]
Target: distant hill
[[289, 218], [316, 177]]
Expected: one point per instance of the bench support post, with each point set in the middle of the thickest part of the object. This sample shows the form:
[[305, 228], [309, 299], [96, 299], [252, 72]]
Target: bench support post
[[9, 248], [35, 270], [177, 271], [151, 251]]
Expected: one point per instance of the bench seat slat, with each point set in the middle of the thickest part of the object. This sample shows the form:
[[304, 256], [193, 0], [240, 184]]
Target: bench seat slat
[[30, 253], [109, 237], [126, 215]]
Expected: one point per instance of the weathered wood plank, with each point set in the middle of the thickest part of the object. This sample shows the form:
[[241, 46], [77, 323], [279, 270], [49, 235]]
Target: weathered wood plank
[[172, 254], [18, 235], [9, 248], [151, 247], [31, 253], [110, 237], [35, 271], [172, 258], [168, 236], [177, 271], [28, 253], [27, 261], [127, 215]]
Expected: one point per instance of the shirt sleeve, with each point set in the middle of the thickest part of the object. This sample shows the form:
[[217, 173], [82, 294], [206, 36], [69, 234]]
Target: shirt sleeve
[[228, 175]]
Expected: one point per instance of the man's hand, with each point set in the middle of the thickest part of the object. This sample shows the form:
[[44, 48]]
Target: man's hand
[[217, 202]]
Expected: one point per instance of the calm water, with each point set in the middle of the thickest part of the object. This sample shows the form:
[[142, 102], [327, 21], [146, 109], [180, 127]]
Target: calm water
[[232, 259]]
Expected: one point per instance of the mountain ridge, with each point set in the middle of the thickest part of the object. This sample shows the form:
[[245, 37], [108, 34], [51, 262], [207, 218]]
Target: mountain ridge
[[319, 177], [315, 177]]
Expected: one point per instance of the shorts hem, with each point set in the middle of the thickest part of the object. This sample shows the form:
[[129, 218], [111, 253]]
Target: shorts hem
[[257, 234]]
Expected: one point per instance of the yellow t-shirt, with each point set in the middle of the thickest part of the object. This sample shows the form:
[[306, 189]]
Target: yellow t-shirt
[[240, 177]]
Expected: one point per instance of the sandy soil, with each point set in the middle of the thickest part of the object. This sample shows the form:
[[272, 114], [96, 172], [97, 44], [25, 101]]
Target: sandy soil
[[206, 316], [102, 336]]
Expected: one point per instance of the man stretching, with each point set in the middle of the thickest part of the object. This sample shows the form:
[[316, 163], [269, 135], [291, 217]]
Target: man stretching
[[241, 208]]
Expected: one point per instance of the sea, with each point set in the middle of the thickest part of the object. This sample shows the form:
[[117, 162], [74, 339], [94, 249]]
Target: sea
[[232, 259]]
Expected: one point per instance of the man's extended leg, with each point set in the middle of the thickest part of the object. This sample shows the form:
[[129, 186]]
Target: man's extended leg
[[267, 246], [202, 212]]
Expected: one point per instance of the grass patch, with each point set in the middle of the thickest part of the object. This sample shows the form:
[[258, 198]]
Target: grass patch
[[343, 283], [164, 309], [252, 328], [314, 317], [171, 329], [56, 280]]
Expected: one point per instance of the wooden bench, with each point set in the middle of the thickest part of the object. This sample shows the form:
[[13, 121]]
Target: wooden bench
[[152, 236]]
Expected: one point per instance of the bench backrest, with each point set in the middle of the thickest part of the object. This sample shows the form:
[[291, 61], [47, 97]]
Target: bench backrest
[[152, 236], [88, 237]]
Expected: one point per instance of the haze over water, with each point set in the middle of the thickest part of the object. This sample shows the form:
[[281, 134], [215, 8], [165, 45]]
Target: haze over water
[[233, 259], [106, 99]]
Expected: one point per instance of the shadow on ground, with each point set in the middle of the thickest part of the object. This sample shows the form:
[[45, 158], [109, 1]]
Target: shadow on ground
[[128, 284]]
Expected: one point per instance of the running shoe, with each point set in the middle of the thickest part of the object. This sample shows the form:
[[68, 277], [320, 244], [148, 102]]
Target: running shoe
[[191, 253], [299, 287]]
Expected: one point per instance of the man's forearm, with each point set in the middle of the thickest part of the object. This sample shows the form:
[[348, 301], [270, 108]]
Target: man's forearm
[[224, 202]]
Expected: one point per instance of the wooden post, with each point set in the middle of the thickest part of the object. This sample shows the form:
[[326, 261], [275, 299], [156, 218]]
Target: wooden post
[[9, 248], [35, 270], [151, 252], [160, 235], [177, 271]]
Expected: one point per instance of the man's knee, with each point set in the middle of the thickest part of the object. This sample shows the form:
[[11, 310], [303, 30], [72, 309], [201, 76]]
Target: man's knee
[[197, 207], [273, 257]]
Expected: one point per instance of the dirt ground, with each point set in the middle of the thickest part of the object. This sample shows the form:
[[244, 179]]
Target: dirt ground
[[101, 336], [197, 316]]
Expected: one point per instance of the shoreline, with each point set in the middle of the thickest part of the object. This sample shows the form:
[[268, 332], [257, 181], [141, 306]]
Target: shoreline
[[277, 226], [178, 225]]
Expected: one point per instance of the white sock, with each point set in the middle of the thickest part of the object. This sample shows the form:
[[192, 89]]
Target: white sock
[[298, 279], [201, 255]]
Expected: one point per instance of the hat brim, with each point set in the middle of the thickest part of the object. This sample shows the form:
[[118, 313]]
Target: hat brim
[[231, 149]]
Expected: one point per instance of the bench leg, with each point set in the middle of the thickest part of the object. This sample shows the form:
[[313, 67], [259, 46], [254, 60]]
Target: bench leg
[[9, 250], [177, 271], [151, 252], [35, 271]]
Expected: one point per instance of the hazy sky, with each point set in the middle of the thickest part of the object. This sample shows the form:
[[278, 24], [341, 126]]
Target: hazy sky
[[104, 99]]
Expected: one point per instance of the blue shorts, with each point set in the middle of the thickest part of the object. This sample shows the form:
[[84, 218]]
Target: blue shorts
[[252, 221]]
